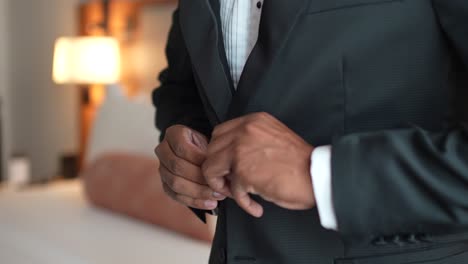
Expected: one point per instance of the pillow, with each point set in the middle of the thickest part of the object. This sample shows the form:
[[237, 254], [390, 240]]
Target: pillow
[[122, 125], [130, 184]]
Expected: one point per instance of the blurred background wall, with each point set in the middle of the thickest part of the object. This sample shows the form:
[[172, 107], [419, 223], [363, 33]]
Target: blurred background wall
[[3, 81], [40, 115], [42, 120]]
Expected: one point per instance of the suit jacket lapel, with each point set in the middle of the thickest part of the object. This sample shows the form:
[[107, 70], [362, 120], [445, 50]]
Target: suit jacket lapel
[[221, 48], [278, 19], [204, 43]]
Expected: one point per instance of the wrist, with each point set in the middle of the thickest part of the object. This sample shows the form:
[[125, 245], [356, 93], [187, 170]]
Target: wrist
[[309, 197], [307, 160]]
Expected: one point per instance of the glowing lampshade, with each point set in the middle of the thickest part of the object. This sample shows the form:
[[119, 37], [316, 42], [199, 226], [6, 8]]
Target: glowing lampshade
[[86, 60]]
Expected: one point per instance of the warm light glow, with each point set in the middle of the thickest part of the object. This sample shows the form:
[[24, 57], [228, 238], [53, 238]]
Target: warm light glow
[[97, 93], [86, 60]]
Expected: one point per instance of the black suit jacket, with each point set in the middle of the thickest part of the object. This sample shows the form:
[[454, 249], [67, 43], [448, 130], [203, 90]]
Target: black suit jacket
[[383, 81]]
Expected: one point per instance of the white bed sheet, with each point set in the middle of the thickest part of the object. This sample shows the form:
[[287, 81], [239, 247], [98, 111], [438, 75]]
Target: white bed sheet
[[54, 224]]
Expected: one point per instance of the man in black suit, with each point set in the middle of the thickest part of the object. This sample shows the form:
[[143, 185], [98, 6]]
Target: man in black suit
[[384, 83]]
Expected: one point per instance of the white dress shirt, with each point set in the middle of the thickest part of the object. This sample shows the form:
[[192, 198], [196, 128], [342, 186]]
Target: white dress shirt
[[240, 22]]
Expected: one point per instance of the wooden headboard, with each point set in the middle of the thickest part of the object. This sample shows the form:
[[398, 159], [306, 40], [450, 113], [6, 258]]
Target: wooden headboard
[[126, 23], [141, 26]]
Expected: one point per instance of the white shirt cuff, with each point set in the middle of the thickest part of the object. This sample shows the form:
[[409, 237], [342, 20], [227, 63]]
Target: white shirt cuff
[[320, 170]]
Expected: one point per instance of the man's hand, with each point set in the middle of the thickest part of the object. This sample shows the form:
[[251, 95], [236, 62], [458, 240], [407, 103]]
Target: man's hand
[[258, 154], [181, 155]]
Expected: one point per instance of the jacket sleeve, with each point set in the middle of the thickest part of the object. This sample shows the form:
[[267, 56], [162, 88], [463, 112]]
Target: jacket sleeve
[[409, 180], [177, 100]]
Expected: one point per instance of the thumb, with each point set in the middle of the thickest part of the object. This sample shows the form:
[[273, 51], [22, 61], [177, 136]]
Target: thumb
[[199, 140]]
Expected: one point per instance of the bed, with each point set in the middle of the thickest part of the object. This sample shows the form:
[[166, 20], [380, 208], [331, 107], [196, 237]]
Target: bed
[[54, 223], [85, 221]]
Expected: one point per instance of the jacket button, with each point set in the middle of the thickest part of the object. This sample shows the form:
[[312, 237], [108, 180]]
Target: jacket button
[[380, 241], [412, 239], [397, 240]]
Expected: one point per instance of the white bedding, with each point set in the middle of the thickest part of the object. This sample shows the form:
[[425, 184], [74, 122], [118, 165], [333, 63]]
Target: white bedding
[[54, 224]]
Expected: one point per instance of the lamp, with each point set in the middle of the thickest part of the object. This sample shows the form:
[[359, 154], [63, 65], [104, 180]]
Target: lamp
[[86, 60]]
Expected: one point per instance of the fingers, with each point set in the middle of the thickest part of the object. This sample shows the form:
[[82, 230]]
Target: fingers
[[185, 187], [226, 151], [178, 166], [246, 202], [217, 172], [187, 144], [220, 143], [189, 193], [190, 201], [198, 139], [181, 154], [227, 126], [216, 169], [258, 118], [226, 133]]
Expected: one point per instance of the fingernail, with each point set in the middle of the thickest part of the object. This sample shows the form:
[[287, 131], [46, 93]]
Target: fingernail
[[198, 141], [258, 211], [218, 195], [211, 204]]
